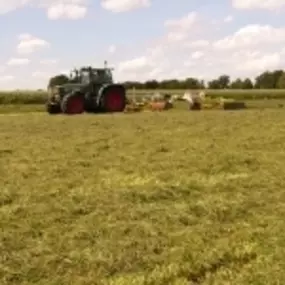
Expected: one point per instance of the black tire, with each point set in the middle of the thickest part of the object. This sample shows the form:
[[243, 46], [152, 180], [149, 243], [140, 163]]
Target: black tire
[[53, 109], [73, 104]]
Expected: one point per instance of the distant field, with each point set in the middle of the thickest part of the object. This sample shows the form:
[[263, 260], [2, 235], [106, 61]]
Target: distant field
[[39, 97], [146, 199]]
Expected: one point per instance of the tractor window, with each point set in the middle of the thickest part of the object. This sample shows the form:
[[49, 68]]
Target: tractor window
[[95, 75], [101, 75], [105, 75], [85, 77], [108, 74]]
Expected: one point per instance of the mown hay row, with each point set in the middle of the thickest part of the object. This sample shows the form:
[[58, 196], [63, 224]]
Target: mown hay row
[[39, 97], [234, 105]]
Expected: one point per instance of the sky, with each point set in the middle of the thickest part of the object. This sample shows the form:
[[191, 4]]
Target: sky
[[141, 39]]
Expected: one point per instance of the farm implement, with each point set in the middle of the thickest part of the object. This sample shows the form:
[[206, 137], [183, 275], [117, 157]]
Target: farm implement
[[199, 101], [89, 90]]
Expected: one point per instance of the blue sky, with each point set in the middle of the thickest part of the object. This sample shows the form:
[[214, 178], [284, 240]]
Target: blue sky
[[142, 39]]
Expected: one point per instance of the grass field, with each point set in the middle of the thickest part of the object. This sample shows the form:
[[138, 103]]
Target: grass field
[[178, 106], [39, 97], [151, 198]]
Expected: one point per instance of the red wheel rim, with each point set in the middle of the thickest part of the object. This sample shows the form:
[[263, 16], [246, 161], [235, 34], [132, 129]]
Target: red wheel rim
[[114, 101], [75, 105]]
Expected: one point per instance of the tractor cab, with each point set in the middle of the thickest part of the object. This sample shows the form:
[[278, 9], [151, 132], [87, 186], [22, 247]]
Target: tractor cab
[[102, 75], [89, 75]]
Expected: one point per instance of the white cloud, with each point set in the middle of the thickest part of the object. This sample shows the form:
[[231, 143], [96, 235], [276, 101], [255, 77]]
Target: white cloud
[[185, 23], [252, 35], [258, 4], [198, 44], [228, 19], [139, 63], [112, 49], [118, 6], [66, 11], [261, 62], [6, 78], [41, 75], [64, 71], [248, 51], [30, 44], [197, 55], [176, 36], [18, 61], [179, 30], [48, 61], [56, 9], [8, 6]]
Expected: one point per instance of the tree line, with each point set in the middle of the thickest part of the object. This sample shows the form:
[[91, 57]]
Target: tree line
[[266, 80]]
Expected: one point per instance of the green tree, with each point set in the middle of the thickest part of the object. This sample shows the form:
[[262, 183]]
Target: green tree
[[214, 84], [247, 84], [268, 79], [281, 82], [151, 84], [58, 80], [276, 76], [192, 83], [237, 84], [224, 81]]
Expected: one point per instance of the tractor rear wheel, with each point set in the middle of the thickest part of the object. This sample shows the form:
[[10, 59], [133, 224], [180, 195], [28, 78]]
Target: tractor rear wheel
[[73, 104], [113, 98]]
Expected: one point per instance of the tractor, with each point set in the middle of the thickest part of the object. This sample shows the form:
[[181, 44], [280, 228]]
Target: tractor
[[89, 90]]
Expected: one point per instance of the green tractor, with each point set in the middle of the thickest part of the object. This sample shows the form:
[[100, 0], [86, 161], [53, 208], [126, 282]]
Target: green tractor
[[89, 90]]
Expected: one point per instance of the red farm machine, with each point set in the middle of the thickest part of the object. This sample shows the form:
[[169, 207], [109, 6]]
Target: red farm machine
[[89, 90]]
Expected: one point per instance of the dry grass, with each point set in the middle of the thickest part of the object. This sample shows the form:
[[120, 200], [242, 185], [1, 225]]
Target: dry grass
[[39, 97], [148, 198], [178, 106]]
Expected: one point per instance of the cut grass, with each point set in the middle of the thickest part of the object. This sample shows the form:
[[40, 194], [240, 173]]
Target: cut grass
[[40, 97], [21, 108], [167, 198], [179, 105]]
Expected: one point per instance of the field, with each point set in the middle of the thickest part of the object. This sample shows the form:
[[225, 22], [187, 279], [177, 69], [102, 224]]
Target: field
[[39, 97], [34, 101], [150, 198]]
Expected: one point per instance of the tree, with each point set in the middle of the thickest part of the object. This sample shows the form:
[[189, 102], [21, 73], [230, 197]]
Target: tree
[[192, 83], [224, 81], [247, 84], [237, 84], [268, 80], [58, 80], [151, 84], [281, 82], [276, 76], [214, 84]]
